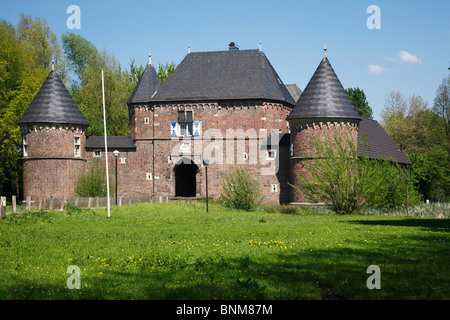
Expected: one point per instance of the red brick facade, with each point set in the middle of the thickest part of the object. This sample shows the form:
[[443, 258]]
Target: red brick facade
[[303, 135], [50, 164], [150, 170]]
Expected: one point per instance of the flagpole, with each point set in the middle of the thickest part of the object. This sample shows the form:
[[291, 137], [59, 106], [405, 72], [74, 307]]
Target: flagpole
[[106, 147]]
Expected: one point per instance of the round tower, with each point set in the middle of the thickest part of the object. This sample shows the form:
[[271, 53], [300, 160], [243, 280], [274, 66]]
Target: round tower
[[323, 109], [54, 139]]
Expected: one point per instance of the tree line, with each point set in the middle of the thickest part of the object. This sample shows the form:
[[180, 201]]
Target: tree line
[[27, 52]]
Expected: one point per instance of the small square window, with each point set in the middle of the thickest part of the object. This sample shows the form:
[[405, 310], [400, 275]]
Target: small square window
[[123, 160], [273, 187], [77, 141], [96, 153], [149, 176], [271, 154]]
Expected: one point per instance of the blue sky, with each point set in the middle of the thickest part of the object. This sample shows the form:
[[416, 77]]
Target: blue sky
[[410, 53]]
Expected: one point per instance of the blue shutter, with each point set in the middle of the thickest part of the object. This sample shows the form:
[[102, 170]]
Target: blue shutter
[[197, 128], [173, 129]]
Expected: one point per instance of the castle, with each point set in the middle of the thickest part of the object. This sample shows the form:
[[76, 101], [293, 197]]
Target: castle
[[221, 108]]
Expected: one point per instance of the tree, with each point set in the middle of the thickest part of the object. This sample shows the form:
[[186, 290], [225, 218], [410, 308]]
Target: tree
[[441, 107], [359, 101], [164, 71], [422, 133], [20, 79], [347, 182], [88, 64]]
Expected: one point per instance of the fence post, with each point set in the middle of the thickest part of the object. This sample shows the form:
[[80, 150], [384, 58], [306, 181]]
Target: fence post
[[28, 203], [40, 203], [51, 203], [14, 200], [63, 203], [3, 206]]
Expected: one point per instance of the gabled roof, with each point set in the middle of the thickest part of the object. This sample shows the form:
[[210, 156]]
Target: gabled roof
[[114, 142], [324, 97], [147, 85], [224, 75], [53, 104], [379, 143]]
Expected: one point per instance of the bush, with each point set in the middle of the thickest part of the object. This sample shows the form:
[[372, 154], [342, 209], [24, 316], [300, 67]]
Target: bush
[[239, 190], [91, 182], [346, 181]]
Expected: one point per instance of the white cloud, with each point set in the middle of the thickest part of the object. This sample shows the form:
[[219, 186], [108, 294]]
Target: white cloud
[[374, 68], [405, 56]]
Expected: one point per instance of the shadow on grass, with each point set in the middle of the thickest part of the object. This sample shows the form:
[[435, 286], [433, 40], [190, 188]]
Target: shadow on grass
[[438, 225]]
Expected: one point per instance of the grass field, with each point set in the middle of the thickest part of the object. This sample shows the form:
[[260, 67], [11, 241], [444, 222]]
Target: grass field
[[178, 251]]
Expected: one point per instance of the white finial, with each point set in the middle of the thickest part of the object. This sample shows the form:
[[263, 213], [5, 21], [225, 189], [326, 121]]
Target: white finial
[[149, 58], [325, 51], [189, 48], [260, 45]]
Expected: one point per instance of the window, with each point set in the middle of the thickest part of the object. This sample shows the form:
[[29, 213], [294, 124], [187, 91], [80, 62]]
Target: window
[[77, 150], [271, 154], [146, 120], [96, 153], [123, 160], [273, 187], [149, 176], [245, 156], [185, 122], [25, 146], [186, 129], [186, 126]]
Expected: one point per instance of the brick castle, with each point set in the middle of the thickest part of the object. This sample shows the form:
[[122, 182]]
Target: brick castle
[[225, 108]]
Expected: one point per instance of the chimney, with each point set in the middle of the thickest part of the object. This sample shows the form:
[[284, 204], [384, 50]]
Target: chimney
[[233, 46]]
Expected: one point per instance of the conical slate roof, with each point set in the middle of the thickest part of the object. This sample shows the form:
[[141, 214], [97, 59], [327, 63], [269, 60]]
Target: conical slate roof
[[147, 85], [324, 97], [53, 104]]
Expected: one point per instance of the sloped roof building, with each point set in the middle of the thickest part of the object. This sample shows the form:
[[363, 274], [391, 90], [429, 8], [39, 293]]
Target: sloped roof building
[[225, 108]]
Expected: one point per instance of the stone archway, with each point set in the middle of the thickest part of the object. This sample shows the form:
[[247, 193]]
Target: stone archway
[[186, 178]]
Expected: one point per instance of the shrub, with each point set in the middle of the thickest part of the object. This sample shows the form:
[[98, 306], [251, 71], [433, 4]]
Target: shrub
[[91, 182], [239, 190], [346, 181]]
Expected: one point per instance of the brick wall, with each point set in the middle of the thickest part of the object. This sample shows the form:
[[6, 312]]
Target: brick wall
[[50, 167], [158, 154], [303, 135]]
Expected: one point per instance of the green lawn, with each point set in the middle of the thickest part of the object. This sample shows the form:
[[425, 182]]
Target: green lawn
[[178, 251]]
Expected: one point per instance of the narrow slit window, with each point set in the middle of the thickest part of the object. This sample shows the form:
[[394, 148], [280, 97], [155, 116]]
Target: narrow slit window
[[25, 146], [77, 148]]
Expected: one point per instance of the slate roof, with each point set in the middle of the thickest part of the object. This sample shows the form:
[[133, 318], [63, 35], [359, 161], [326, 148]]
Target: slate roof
[[114, 142], [223, 75], [324, 97], [380, 144], [53, 104], [147, 85], [295, 91]]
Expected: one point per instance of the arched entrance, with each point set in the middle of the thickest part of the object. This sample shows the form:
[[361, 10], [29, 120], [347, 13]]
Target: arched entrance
[[185, 178]]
